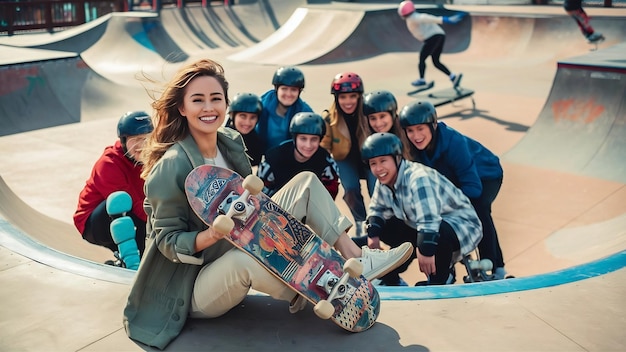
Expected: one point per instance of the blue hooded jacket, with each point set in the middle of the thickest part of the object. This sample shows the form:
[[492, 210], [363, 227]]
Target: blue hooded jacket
[[461, 159], [271, 128]]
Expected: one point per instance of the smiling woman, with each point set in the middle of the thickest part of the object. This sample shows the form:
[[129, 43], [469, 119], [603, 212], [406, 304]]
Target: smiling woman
[[188, 268]]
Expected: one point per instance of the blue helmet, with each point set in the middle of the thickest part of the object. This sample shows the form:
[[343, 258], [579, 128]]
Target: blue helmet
[[380, 101], [379, 144], [288, 76], [245, 102], [307, 123], [417, 113], [133, 123]]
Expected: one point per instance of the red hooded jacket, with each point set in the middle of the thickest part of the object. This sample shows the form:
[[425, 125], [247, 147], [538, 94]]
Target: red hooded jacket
[[112, 172]]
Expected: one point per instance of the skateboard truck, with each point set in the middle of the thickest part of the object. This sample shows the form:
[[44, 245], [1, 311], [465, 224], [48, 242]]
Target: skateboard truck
[[336, 288], [328, 281], [236, 206], [477, 269]]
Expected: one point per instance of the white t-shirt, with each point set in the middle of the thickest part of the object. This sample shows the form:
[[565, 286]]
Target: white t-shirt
[[218, 160], [423, 26]]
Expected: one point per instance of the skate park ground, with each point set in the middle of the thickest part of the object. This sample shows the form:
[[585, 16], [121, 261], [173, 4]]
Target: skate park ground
[[561, 213]]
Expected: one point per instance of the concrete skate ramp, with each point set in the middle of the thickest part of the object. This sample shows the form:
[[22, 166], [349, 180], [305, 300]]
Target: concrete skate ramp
[[582, 127], [52, 88], [323, 31], [323, 35], [196, 28], [50, 232], [504, 37], [76, 39], [132, 43], [41, 93]]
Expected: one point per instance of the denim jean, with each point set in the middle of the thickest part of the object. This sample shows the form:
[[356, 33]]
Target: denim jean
[[350, 174]]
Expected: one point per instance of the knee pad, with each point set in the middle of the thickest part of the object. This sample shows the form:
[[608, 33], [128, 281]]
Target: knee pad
[[123, 233], [118, 204]]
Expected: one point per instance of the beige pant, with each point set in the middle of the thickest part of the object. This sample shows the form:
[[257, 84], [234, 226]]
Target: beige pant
[[224, 283]]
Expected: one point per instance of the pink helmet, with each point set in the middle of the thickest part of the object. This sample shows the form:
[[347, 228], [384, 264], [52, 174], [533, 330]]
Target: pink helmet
[[406, 8]]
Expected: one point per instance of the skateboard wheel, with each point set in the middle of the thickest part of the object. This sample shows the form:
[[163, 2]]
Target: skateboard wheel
[[353, 267], [223, 224], [485, 264], [253, 184], [324, 309], [473, 264]]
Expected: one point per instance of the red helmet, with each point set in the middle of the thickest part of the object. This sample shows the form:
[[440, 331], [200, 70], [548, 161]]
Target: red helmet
[[406, 8], [346, 82]]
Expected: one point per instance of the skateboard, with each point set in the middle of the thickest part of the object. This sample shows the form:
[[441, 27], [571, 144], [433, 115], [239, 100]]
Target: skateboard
[[477, 269], [118, 204], [428, 86], [447, 96], [283, 245]]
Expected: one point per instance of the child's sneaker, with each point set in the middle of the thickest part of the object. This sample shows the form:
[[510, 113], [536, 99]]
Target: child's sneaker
[[377, 262], [456, 79], [499, 273], [419, 83], [595, 37]]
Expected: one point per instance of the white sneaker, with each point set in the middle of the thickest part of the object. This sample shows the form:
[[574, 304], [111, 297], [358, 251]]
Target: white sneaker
[[377, 262], [297, 304]]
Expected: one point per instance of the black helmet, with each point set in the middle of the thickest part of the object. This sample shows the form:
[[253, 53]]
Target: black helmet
[[307, 123], [380, 101], [133, 123], [417, 113], [346, 82], [245, 102], [288, 76], [379, 144]]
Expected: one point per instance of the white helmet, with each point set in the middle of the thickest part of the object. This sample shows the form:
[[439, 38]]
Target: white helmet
[[406, 8]]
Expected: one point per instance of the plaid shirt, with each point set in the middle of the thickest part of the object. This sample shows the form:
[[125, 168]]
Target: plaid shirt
[[422, 198]]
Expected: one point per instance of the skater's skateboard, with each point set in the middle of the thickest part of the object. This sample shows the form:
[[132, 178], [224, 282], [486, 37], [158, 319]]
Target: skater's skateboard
[[447, 96], [286, 247], [477, 269]]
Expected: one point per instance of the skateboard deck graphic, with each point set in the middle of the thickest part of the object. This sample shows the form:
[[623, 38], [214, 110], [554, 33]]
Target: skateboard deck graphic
[[286, 247]]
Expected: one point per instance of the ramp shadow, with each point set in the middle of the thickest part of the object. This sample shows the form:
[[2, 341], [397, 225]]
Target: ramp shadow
[[467, 114]]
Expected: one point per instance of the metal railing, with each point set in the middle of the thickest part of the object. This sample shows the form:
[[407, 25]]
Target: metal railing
[[53, 14]]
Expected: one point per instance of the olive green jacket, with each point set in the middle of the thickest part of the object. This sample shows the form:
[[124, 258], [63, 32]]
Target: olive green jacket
[[159, 300]]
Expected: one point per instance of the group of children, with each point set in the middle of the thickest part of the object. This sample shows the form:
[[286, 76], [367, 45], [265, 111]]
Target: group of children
[[452, 205]]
